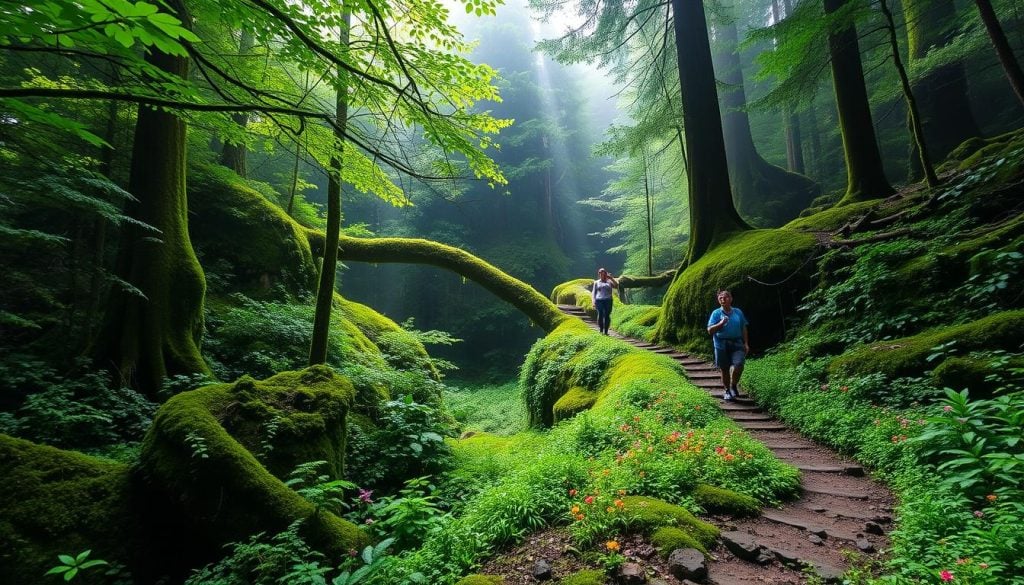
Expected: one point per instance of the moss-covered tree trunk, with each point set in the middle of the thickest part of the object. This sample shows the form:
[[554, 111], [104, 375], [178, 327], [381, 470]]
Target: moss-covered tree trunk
[[1011, 66], [865, 176], [765, 194], [712, 213], [517, 293], [232, 155], [154, 331], [942, 92], [329, 266]]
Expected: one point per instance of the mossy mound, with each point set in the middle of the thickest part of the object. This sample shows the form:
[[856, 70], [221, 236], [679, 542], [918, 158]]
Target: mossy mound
[[973, 150], [585, 577], [481, 580], [573, 402], [637, 321], [61, 502], [771, 256], [650, 513], [574, 292], [669, 538], [211, 485], [908, 356], [719, 500], [245, 239], [832, 218]]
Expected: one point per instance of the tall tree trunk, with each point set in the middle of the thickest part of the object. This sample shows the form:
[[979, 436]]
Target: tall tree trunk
[[912, 110], [649, 210], [329, 268], [233, 154], [865, 176], [155, 332], [712, 213], [794, 143], [1006, 57], [761, 190], [812, 119], [942, 93]]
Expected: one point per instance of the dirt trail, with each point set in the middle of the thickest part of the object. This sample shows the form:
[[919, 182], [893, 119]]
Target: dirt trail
[[840, 510]]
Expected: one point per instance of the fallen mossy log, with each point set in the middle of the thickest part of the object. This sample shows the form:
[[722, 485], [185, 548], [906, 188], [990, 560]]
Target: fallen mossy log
[[627, 281], [417, 251]]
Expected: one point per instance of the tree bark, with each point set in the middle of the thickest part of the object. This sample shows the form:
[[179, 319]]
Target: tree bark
[[794, 140], [712, 213], [233, 154], [522, 296], [865, 176], [917, 128], [1006, 57], [146, 339], [945, 110], [329, 267], [761, 190]]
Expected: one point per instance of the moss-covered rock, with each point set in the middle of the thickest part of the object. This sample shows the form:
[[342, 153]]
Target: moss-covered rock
[[573, 402], [738, 263], [201, 460], [669, 538], [585, 577], [832, 218], [61, 502], [481, 580], [244, 239], [651, 513], [907, 356], [725, 501]]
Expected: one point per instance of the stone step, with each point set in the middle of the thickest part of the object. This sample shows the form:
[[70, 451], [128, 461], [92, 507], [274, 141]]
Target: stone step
[[749, 417], [703, 374], [660, 349], [707, 383], [735, 407], [787, 446], [851, 470], [853, 495], [759, 549], [762, 426]]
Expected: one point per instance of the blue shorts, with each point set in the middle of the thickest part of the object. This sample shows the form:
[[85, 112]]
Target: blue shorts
[[732, 354]]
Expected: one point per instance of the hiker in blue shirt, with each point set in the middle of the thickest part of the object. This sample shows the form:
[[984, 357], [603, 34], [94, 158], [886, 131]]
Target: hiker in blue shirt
[[728, 328]]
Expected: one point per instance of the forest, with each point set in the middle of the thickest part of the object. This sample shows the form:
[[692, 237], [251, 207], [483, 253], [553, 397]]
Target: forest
[[304, 292]]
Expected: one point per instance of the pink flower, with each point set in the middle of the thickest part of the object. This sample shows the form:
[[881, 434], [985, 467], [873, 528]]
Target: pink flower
[[983, 565], [947, 408], [945, 575], [978, 514], [364, 496]]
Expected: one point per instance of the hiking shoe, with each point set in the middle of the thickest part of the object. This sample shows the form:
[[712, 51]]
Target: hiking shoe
[[735, 392], [728, 397]]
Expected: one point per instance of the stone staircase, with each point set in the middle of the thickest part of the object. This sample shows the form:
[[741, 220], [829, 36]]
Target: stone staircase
[[839, 511]]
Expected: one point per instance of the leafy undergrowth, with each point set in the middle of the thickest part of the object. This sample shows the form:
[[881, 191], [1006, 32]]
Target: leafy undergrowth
[[910, 356], [496, 409]]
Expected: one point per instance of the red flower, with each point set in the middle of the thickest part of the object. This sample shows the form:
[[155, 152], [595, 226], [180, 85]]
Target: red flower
[[572, 492], [588, 500], [945, 575]]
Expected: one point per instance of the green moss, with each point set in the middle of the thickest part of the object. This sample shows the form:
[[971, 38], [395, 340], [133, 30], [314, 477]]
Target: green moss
[[61, 502], [573, 292], [585, 577], [651, 513], [208, 479], [725, 501], [832, 218], [770, 256], [669, 538], [908, 356], [573, 402], [637, 321], [248, 242], [481, 580]]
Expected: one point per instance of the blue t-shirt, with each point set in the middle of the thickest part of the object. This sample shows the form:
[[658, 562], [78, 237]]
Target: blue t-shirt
[[733, 330]]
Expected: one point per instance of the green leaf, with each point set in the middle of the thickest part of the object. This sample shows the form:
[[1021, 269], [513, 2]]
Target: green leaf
[[67, 559], [82, 556], [71, 574], [58, 570]]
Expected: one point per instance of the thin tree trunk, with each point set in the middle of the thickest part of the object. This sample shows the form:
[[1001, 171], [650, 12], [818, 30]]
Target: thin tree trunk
[[328, 270], [943, 104], [908, 94], [865, 175], [233, 154], [1006, 57], [812, 118], [648, 207], [712, 213], [794, 146], [147, 338]]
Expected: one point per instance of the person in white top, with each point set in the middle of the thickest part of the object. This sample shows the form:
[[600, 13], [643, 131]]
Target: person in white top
[[601, 295]]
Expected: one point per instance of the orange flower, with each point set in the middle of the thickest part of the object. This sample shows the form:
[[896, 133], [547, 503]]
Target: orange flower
[[612, 545], [609, 509], [991, 497], [572, 492], [588, 500], [575, 509], [580, 517], [729, 457], [619, 503], [622, 492]]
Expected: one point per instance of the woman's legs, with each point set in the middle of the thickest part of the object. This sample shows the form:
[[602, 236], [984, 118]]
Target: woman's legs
[[604, 312]]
